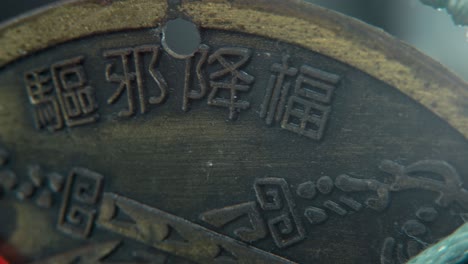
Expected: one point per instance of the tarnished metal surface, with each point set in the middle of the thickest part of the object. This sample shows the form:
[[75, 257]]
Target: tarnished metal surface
[[280, 133]]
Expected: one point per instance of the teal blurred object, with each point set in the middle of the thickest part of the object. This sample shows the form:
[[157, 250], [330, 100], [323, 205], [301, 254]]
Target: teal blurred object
[[452, 250], [457, 8]]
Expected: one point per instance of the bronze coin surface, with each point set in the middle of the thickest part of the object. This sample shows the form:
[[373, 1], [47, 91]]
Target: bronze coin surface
[[141, 131]]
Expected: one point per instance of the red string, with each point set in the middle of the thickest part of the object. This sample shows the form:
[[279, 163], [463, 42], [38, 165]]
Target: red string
[[3, 261]]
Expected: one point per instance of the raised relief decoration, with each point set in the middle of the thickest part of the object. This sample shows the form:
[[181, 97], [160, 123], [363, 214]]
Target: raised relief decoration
[[93, 253], [273, 215], [97, 253], [190, 93], [79, 209], [84, 207], [274, 196], [227, 82], [286, 228], [307, 110], [135, 83], [299, 99], [413, 236], [236, 79], [173, 234], [223, 216], [61, 96]]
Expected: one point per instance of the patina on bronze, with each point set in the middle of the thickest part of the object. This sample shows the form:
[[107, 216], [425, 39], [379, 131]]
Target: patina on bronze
[[280, 133]]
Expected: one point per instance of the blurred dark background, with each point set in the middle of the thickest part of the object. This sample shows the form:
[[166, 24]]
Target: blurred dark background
[[431, 31]]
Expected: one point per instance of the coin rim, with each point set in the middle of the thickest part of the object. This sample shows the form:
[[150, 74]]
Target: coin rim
[[346, 39]]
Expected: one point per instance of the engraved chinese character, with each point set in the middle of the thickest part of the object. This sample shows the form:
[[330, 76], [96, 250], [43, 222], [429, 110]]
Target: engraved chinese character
[[76, 98], [47, 113], [316, 84], [277, 91], [199, 58], [61, 95], [133, 79], [305, 117], [308, 110], [229, 80]]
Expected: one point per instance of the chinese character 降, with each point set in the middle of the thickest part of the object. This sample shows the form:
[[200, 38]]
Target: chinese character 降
[[190, 93], [229, 80]]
